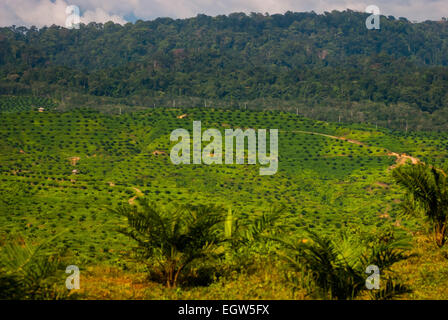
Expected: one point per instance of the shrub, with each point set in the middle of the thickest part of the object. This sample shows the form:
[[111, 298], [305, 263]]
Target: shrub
[[427, 191], [172, 239], [30, 271], [338, 269]]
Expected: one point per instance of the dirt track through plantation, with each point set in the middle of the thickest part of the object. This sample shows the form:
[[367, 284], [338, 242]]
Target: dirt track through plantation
[[402, 158], [138, 193]]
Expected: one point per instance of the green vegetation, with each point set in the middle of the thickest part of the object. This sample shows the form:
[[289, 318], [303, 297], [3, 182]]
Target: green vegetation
[[202, 231], [173, 239], [24, 103], [428, 194], [30, 271], [86, 178], [337, 268], [323, 66]]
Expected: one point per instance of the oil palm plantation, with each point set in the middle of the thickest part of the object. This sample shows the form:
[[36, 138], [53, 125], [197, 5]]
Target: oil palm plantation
[[427, 193]]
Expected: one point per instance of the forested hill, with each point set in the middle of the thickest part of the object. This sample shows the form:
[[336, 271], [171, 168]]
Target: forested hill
[[298, 58]]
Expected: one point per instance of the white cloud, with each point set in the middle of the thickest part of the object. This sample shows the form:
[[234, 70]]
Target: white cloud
[[47, 12], [99, 15]]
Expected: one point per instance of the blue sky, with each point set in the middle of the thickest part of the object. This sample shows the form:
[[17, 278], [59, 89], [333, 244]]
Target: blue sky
[[48, 12]]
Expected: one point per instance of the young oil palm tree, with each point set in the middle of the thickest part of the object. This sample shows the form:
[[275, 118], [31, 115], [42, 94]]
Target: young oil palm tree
[[427, 191], [247, 229], [30, 271], [173, 238], [337, 268]]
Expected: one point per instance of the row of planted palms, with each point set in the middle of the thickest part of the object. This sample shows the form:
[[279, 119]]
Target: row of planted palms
[[171, 241]]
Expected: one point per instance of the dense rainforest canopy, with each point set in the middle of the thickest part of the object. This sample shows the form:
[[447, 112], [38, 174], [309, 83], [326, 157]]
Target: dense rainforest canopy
[[301, 60]]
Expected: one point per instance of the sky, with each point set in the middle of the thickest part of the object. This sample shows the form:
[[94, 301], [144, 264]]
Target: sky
[[48, 12]]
